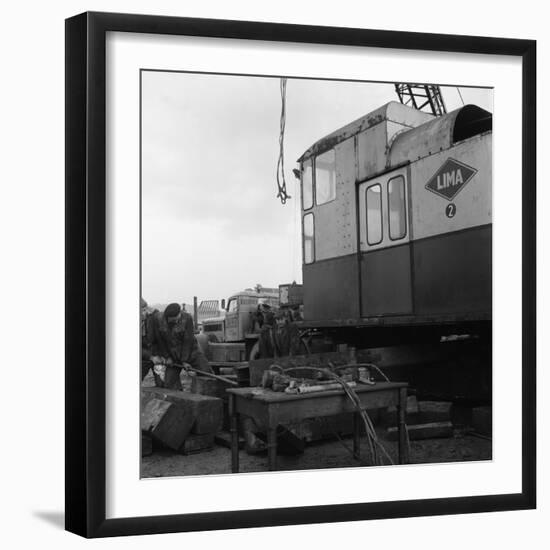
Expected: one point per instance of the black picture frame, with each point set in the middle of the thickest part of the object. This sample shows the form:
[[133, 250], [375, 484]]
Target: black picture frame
[[86, 273]]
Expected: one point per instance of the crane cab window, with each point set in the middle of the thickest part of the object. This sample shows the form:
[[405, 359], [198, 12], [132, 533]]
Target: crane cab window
[[232, 306], [373, 198], [396, 208], [325, 177], [307, 185], [309, 237]]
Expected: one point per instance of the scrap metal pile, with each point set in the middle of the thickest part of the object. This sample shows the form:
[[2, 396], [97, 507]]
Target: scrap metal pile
[[307, 379]]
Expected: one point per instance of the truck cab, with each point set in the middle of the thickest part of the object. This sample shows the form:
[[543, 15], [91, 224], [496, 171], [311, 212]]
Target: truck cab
[[235, 324]]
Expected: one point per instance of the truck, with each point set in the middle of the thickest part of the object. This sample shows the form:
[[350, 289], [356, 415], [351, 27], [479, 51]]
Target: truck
[[232, 335]]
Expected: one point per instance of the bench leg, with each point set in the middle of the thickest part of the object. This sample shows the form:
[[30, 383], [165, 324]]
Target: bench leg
[[272, 448]]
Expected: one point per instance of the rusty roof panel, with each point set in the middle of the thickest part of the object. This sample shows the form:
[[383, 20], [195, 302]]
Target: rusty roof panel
[[436, 135], [392, 111]]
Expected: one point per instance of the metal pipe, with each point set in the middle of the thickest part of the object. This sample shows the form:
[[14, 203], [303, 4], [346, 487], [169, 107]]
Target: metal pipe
[[209, 374], [324, 387]]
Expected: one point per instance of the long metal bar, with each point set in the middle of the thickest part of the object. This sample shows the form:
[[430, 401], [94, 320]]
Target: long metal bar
[[209, 374]]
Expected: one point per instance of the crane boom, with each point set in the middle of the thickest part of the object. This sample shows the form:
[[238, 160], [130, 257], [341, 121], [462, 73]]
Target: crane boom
[[422, 97]]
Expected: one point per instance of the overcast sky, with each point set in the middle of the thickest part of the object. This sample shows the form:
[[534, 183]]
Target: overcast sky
[[211, 222]]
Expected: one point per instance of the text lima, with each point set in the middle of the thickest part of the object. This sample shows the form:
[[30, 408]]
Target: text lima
[[449, 179]]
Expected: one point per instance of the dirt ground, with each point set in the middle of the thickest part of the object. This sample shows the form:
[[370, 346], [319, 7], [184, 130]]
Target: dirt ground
[[319, 455], [327, 454]]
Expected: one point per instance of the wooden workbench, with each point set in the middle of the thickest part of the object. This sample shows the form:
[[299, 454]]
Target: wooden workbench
[[269, 409]]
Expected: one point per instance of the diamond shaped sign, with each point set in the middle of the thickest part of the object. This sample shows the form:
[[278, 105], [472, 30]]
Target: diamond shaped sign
[[449, 180]]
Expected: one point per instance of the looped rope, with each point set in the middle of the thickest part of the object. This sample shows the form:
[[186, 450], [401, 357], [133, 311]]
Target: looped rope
[[281, 182]]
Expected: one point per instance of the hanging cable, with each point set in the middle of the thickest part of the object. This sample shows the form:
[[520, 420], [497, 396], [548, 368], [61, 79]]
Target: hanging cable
[[372, 439], [460, 94], [281, 182]]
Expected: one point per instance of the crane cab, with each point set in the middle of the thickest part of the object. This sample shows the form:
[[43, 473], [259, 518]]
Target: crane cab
[[396, 219]]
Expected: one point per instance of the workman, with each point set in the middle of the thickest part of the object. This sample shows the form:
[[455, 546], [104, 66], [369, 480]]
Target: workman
[[285, 336], [279, 335], [146, 338], [264, 319], [174, 346]]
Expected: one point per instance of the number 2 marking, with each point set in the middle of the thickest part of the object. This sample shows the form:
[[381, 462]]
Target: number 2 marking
[[450, 211]]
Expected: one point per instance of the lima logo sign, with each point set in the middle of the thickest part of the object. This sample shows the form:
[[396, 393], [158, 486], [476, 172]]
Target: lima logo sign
[[448, 181]]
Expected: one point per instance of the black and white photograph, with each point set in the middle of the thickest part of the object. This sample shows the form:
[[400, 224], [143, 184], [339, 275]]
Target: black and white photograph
[[273, 275], [316, 273]]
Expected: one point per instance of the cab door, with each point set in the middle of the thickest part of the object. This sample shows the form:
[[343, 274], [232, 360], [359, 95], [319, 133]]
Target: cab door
[[384, 244], [232, 320]]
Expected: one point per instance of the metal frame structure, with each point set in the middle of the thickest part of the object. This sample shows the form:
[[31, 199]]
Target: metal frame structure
[[420, 96]]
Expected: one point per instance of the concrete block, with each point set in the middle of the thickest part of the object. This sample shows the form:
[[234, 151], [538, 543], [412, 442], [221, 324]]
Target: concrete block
[[206, 411], [288, 443], [204, 386], [166, 422], [432, 430], [388, 417], [223, 439], [461, 415], [210, 386], [146, 445], [196, 443], [434, 411]]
